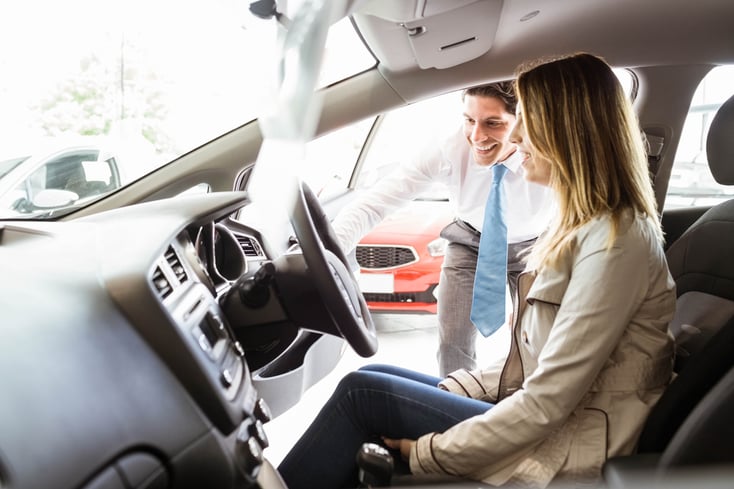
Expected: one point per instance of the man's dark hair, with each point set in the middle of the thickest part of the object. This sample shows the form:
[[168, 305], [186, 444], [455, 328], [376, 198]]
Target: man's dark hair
[[504, 90]]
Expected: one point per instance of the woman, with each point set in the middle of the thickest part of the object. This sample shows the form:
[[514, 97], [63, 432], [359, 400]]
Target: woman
[[590, 351]]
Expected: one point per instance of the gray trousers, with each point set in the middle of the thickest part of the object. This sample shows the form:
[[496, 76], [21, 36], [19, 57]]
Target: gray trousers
[[457, 334]]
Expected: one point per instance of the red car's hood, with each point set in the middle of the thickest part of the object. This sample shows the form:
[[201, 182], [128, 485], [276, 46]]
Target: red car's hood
[[419, 221]]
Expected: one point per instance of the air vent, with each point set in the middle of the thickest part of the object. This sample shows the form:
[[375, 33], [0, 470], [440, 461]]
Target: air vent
[[161, 283], [250, 246], [169, 273], [178, 270]]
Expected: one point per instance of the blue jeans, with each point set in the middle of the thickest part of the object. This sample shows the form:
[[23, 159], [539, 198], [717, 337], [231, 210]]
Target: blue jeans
[[375, 401]]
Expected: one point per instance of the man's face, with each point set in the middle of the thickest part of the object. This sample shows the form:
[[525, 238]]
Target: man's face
[[487, 127]]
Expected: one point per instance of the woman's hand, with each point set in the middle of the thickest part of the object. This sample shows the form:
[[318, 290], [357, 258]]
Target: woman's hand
[[404, 445]]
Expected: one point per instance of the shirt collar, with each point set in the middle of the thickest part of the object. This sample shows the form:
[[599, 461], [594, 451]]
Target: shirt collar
[[513, 162]]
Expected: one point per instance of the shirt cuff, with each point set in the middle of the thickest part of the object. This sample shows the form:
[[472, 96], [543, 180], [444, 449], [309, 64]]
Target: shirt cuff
[[421, 459], [464, 383]]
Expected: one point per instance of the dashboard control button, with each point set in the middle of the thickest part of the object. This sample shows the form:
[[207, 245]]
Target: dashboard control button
[[262, 411], [226, 378], [257, 431], [248, 452]]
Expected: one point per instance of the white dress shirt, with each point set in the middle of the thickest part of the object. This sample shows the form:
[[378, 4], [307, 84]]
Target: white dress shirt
[[529, 206]]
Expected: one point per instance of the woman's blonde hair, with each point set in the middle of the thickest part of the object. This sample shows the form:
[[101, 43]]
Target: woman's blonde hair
[[577, 115]]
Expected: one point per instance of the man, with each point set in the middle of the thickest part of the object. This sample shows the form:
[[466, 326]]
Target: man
[[463, 163]]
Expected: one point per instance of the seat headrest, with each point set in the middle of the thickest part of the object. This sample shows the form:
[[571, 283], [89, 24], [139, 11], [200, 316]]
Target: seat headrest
[[720, 144]]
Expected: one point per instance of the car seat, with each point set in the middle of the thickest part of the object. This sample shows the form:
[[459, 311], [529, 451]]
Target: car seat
[[680, 429], [700, 260], [705, 438], [61, 173], [85, 188]]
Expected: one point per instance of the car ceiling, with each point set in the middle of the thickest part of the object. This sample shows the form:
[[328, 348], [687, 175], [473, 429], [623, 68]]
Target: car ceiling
[[654, 32]]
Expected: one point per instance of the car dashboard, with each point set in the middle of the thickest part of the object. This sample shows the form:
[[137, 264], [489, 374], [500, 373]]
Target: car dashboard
[[120, 367]]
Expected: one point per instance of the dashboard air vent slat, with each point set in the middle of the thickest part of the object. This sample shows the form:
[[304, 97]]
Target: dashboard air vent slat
[[176, 266], [161, 283], [250, 246]]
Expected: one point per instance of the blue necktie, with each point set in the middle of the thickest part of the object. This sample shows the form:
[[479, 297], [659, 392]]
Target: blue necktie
[[488, 304]]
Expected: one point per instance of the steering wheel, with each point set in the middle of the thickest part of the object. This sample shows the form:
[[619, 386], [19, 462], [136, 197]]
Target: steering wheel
[[328, 267]]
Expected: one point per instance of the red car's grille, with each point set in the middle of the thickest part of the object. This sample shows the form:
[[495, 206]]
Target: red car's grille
[[376, 257]]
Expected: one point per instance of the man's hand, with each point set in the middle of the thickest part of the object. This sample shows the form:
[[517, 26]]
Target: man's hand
[[404, 445]]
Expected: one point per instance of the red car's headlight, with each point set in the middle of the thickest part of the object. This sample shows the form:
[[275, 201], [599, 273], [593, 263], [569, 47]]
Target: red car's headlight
[[437, 247]]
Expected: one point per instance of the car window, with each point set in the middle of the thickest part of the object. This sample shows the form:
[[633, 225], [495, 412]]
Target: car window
[[330, 162], [628, 80], [403, 132], [330, 159], [691, 182], [8, 165]]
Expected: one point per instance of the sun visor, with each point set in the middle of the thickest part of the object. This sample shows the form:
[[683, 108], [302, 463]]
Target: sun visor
[[455, 36], [442, 33]]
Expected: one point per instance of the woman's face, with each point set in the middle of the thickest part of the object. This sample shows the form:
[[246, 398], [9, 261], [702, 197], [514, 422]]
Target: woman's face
[[537, 167]]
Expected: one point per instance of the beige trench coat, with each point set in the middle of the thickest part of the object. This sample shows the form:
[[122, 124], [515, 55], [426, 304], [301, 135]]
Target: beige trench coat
[[590, 356]]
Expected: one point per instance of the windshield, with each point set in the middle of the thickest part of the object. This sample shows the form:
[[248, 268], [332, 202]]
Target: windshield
[[8, 165], [141, 82]]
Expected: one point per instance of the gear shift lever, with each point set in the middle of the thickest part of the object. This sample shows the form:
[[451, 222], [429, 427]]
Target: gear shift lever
[[375, 466]]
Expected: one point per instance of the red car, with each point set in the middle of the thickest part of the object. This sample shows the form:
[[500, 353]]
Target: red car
[[400, 259]]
